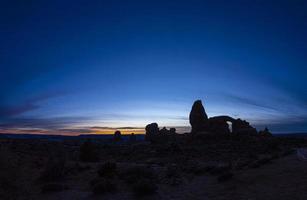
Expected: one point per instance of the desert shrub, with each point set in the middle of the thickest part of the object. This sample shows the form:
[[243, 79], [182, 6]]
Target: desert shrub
[[11, 177], [271, 145], [172, 175], [242, 164], [52, 187], [143, 187], [102, 186], [275, 156], [254, 164], [261, 161], [226, 176], [55, 169], [288, 152], [171, 171], [95, 181], [133, 174], [107, 169], [219, 170], [264, 160], [80, 168], [88, 152], [193, 167]]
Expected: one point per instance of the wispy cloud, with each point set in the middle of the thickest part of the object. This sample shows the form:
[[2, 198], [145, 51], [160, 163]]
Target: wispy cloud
[[250, 102], [7, 111]]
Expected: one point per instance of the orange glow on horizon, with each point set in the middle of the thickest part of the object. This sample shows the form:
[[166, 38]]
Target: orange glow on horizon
[[72, 132]]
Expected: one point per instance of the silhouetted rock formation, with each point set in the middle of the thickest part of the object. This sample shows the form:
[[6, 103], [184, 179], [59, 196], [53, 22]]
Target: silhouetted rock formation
[[198, 117], [154, 134], [265, 132], [172, 131], [243, 127], [152, 131], [117, 136], [202, 124], [164, 131], [218, 124]]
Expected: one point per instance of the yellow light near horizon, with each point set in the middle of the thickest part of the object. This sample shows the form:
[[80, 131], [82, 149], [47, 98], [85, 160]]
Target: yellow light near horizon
[[123, 131]]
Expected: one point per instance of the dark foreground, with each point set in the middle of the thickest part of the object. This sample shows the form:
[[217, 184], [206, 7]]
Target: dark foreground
[[200, 167]]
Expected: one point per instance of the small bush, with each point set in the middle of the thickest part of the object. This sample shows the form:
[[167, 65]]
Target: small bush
[[108, 169], [254, 165], [194, 167], [54, 170], [10, 176], [102, 186], [288, 152], [144, 187], [225, 177], [52, 187], [95, 181], [172, 175], [80, 168], [265, 160], [133, 174], [171, 171], [88, 152], [218, 170], [241, 165]]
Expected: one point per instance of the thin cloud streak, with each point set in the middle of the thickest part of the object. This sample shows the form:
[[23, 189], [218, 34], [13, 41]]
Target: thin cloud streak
[[7, 111]]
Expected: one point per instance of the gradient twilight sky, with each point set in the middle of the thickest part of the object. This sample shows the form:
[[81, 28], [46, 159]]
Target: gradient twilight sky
[[74, 67]]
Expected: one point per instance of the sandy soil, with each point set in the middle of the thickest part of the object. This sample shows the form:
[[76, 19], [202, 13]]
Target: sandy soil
[[285, 178]]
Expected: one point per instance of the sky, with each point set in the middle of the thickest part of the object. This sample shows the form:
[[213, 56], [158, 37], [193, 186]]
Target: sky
[[74, 67]]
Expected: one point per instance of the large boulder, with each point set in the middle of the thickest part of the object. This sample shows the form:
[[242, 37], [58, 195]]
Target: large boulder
[[117, 136], [243, 127], [152, 131], [172, 131], [156, 135], [198, 117], [265, 132]]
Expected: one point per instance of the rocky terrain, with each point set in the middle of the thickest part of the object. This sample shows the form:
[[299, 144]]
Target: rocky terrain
[[211, 162]]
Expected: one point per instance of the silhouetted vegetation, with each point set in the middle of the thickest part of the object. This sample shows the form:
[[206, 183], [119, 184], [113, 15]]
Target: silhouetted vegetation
[[107, 169], [102, 186], [225, 177], [133, 174], [53, 187], [117, 136], [54, 170], [10, 187], [144, 187], [88, 152]]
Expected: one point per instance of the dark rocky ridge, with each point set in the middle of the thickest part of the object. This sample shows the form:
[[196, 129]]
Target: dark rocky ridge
[[201, 125]]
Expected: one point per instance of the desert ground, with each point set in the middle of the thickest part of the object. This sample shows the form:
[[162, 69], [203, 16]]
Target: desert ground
[[207, 167]]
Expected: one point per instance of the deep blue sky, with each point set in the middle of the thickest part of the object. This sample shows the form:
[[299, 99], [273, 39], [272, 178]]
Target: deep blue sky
[[78, 64]]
